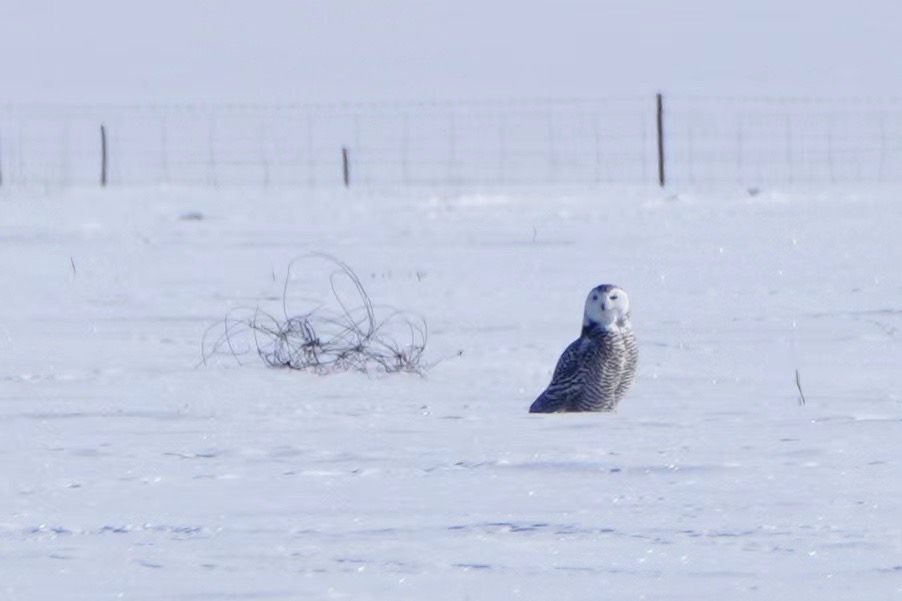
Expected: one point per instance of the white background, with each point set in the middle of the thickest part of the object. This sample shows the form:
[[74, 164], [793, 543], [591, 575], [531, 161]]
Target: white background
[[281, 50]]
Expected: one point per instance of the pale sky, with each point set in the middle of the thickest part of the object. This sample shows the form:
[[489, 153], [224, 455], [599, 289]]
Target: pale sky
[[306, 50]]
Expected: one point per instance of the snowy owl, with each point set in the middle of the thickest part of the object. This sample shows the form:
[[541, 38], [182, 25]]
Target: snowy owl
[[596, 369]]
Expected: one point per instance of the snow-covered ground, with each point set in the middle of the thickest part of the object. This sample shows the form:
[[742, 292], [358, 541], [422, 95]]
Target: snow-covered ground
[[128, 471]]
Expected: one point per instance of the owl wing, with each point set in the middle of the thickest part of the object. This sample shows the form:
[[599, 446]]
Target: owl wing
[[566, 383]]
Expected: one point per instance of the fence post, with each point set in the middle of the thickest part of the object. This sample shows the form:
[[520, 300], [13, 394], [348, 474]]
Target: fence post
[[345, 168], [660, 113], [103, 156]]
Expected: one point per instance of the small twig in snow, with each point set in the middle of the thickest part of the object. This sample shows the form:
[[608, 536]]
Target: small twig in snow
[[802, 400]]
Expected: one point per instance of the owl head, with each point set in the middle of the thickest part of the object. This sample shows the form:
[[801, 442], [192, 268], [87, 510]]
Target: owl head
[[607, 307]]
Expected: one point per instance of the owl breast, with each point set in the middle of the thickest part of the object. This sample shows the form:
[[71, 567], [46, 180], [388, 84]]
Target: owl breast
[[608, 371]]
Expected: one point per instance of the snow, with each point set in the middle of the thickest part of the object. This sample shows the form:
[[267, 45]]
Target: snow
[[131, 471]]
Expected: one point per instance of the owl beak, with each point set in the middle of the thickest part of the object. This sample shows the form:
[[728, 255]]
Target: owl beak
[[602, 307]]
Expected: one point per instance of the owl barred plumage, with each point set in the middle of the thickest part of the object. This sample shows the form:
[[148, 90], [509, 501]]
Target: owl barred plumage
[[596, 370]]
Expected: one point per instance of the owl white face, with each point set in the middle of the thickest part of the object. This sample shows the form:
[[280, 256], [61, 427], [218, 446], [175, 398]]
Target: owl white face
[[607, 306]]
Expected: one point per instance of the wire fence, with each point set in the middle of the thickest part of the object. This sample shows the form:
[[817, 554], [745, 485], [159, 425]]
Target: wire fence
[[785, 141], [749, 141]]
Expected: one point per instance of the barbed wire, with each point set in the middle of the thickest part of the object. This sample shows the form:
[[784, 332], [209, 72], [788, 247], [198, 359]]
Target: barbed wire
[[346, 332]]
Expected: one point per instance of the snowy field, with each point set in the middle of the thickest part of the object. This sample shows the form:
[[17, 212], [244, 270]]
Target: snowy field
[[131, 472]]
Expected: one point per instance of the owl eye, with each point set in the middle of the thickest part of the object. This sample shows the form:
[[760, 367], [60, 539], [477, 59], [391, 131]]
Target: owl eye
[[594, 297], [613, 297]]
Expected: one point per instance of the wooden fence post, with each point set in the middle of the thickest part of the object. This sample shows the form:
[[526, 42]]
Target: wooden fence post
[[103, 156], [661, 178], [345, 167]]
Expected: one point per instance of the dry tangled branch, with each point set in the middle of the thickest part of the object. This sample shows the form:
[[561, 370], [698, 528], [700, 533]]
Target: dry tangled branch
[[349, 337]]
